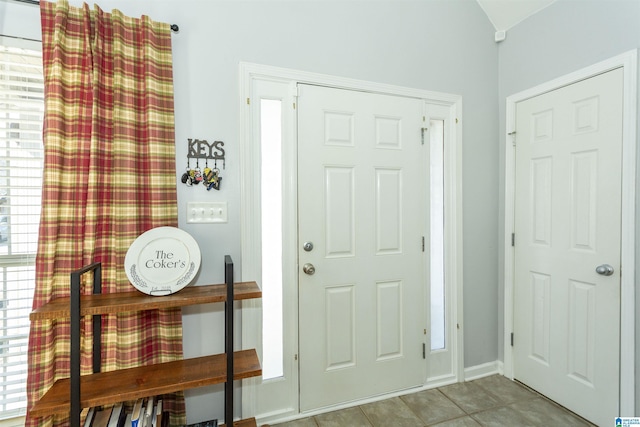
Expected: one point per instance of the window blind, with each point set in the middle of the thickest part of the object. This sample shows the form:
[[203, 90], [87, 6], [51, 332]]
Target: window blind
[[21, 163]]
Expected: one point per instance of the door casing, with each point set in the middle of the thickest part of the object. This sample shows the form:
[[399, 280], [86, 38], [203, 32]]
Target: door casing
[[628, 61], [249, 161]]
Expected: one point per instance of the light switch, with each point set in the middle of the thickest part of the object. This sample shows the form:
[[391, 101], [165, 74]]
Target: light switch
[[206, 212]]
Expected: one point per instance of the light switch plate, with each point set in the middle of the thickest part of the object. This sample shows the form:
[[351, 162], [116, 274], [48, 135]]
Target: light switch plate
[[206, 212]]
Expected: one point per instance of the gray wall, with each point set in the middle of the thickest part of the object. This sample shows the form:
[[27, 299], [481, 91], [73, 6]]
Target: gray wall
[[439, 45], [563, 38]]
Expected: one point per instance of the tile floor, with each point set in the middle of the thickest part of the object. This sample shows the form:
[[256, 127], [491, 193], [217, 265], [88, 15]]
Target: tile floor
[[493, 401]]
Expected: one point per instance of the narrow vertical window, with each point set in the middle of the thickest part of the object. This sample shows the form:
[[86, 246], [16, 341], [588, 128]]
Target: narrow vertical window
[[271, 208], [21, 162], [438, 328]]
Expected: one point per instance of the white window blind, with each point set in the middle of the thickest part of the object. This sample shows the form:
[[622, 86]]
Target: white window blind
[[21, 163]]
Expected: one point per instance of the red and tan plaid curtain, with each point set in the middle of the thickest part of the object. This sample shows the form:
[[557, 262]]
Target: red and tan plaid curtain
[[109, 176]]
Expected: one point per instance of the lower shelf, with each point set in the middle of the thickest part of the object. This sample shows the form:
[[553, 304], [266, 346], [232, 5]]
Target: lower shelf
[[107, 388]]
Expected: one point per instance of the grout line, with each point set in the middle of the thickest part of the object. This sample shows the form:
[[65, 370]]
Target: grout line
[[470, 412], [366, 417], [589, 423], [450, 400]]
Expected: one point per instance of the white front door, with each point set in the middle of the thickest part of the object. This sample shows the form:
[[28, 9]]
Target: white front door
[[362, 192], [567, 224]]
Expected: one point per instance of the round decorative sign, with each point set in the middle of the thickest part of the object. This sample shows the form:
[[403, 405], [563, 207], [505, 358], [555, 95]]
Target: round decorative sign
[[162, 261]]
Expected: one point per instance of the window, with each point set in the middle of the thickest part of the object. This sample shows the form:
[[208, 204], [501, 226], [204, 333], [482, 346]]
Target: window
[[21, 163], [438, 302], [271, 208]]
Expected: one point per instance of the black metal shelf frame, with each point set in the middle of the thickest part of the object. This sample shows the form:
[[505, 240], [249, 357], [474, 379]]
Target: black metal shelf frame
[[75, 392]]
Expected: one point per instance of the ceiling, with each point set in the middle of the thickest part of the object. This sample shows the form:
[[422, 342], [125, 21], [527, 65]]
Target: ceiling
[[504, 14]]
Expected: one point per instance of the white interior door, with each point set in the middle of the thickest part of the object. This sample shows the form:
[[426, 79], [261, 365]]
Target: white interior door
[[567, 223], [362, 191]]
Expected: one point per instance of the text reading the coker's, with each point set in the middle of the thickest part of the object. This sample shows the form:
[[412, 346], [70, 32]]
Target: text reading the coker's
[[165, 260]]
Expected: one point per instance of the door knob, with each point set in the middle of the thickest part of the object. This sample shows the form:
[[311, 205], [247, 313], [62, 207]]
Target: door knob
[[308, 269], [604, 269]]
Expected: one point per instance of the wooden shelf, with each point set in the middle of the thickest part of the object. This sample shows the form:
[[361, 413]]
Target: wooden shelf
[[134, 301], [128, 384], [106, 388]]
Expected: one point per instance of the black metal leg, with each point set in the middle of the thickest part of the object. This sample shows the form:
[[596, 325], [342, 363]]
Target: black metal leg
[[75, 409], [228, 387], [97, 323]]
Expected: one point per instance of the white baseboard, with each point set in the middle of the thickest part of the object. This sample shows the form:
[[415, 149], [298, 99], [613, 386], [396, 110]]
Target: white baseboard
[[484, 370], [441, 381]]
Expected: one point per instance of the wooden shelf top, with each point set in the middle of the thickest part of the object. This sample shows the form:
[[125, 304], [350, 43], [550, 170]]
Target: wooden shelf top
[[134, 301], [128, 384]]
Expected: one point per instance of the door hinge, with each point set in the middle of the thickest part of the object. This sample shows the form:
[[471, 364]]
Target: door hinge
[[295, 357], [422, 243], [248, 101], [511, 339], [424, 351], [423, 130], [295, 94], [513, 135], [513, 239]]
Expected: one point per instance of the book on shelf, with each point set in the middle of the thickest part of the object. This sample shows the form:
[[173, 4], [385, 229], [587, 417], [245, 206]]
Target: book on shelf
[[136, 413], [89, 418], [117, 416], [101, 417], [152, 417], [210, 423], [148, 411], [157, 414], [145, 412]]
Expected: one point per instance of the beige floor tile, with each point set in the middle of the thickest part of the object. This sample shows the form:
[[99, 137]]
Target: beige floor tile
[[543, 412], [352, 417], [466, 421], [504, 389], [504, 416], [391, 412], [432, 406], [470, 397]]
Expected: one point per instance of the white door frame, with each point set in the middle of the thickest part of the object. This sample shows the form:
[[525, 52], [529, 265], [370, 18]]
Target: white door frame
[[250, 222], [629, 62]]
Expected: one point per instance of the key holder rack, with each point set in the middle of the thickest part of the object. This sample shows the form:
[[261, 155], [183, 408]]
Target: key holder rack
[[201, 149]]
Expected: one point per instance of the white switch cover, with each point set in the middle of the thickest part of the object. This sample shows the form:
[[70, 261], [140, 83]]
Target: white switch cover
[[206, 212]]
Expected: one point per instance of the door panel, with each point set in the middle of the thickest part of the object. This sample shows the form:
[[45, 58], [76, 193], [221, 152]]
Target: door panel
[[340, 211], [567, 222], [362, 191]]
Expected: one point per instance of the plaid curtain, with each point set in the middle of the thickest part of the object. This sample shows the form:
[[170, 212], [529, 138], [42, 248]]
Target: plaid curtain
[[109, 176]]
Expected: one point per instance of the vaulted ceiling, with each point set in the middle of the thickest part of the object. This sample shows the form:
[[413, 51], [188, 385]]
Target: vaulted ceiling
[[504, 14]]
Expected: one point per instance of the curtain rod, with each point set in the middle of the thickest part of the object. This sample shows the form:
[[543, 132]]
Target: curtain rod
[[174, 27]]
